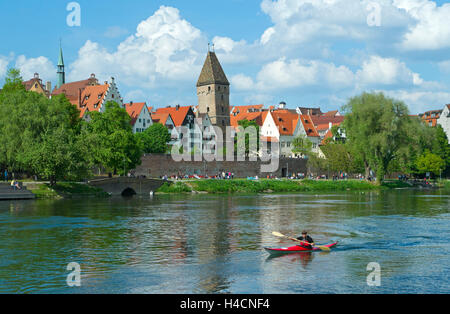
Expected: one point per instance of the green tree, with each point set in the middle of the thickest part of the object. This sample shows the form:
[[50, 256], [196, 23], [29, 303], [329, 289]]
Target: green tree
[[60, 155], [252, 139], [111, 139], [13, 81], [155, 139], [429, 162], [302, 145], [339, 158], [35, 130], [441, 146], [376, 127]]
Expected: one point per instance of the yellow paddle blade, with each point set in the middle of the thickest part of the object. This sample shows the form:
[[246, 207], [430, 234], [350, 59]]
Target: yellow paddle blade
[[277, 234], [323, 248]]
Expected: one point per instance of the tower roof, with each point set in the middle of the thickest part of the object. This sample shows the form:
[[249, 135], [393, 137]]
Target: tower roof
[[60, 59], [212, 72]]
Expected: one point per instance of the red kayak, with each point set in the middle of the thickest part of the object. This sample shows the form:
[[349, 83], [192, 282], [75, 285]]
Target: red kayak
[[297, 249]]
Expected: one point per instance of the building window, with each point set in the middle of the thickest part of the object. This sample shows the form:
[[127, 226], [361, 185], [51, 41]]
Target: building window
[[139, 120]]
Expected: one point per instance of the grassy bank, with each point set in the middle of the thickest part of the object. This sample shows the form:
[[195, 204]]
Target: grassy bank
[[65, 190], [264, 186]]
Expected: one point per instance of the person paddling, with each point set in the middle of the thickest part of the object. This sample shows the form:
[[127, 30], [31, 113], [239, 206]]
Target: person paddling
[[308, 242]]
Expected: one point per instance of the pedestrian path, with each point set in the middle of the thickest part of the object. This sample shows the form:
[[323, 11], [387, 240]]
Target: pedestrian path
[[8, 193]]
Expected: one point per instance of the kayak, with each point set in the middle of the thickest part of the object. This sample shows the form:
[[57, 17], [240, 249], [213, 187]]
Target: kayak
[[297, 249]]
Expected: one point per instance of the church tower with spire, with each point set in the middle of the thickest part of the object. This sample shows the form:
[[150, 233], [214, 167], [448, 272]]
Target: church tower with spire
[[213, 91], [61, 72]]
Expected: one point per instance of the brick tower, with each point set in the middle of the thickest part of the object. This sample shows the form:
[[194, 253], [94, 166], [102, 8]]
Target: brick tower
[[213, 91]]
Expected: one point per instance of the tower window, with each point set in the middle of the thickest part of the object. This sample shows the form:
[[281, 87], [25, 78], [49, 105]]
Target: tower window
[[207, 109], [209, 88]]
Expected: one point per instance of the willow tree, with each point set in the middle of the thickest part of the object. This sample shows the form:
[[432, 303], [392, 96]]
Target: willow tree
[[377, 128]]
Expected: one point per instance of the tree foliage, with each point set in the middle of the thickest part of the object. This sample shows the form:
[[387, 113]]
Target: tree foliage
[[34, 129], [429, 162], [155, 139], [377, 128], [110, 136], [302, 145]]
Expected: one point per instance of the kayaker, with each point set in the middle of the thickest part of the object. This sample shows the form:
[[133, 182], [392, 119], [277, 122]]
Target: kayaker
[[308, 242]]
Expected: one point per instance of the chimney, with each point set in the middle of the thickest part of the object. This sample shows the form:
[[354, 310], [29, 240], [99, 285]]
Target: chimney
[[131, 103], [178, 107], [330, 125], [48, 86]]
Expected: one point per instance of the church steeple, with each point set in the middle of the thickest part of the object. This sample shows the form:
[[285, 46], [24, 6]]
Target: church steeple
[[61, 72]]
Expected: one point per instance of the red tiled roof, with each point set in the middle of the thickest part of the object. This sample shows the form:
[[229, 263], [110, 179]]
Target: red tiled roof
[[258, 117], [327, 136], [92, 97], [286, 121], [160, 117], [134, 110], [319, 120], [35, 80], [245, 109], [74, 89], [309, 125], [331, 113], [178, 114]]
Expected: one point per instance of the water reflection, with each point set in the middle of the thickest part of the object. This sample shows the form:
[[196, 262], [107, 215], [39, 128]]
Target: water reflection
[[304, 258], [214, 244]]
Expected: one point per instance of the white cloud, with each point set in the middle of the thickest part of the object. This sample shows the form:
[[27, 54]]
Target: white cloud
[[4, 61], [432, 28], [421, 101], [301, 21], [242, 82], [386, 71], [285, 74], [165, 48], [41, 65]]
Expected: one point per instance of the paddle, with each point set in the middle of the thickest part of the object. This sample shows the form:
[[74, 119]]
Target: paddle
[[280, 235]]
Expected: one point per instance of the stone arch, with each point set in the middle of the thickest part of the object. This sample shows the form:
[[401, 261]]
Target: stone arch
[[128, 192]]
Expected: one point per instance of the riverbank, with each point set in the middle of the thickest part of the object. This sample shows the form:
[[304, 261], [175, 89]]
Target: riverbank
[[273, 186], [64, 190]]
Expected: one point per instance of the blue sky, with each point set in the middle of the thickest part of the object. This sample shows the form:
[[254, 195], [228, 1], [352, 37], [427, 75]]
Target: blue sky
[[303, 52]]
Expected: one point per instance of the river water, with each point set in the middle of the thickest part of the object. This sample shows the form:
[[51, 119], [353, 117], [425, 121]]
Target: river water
[[215, 244]]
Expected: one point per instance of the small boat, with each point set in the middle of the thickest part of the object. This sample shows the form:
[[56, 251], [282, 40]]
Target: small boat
[[297, 249]]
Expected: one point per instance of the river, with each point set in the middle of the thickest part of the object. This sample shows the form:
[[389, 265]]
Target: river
[[215, 244]]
